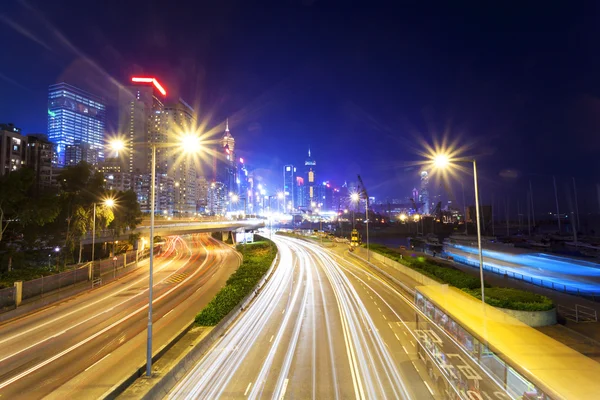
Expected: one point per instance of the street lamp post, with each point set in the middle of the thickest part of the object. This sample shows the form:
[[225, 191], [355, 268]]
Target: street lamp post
[[108, 203], [443, 161], [190, 143]]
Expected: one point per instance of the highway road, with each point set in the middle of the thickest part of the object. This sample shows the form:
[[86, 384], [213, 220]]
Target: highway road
[[323, 327], [82, 347]]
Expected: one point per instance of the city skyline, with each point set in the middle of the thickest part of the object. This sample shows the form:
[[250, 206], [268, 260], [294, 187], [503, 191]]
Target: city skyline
[[404, 98]]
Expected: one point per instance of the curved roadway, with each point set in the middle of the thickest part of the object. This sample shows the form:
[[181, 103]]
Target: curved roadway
[[83, 347], [317, 330]]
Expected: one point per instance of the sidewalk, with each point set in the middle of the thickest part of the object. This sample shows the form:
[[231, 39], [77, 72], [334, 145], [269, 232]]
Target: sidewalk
[[581, 337]]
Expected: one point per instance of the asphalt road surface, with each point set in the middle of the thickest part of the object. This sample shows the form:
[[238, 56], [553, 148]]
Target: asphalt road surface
[[323, 328], [82, 347]]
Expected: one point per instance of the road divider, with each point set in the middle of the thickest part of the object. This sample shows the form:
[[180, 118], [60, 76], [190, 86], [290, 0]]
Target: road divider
[[159, 386]]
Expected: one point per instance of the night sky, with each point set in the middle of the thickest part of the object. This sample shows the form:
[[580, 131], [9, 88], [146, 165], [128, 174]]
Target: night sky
[[362, 86]]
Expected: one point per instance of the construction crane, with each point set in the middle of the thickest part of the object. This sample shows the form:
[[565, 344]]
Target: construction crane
[[362, 190]]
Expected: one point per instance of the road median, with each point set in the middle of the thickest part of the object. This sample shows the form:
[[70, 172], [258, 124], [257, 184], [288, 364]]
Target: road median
[[197, 339]]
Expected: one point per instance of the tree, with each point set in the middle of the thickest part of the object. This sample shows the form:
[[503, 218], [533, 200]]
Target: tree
[[19, 206], [127, 212], [81, 189]]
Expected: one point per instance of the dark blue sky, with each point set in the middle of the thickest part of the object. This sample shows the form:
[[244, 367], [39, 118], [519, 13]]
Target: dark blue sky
[[361, 85]]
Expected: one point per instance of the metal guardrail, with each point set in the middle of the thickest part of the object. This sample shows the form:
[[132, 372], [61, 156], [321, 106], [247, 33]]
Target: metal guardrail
[[56, 285], [579, 313]]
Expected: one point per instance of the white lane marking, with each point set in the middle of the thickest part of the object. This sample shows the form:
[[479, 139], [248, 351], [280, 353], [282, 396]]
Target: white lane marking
[[270, 340], [413, 344], [59, 333], [168, 313], [247, 388], [284, 388], [98, 333], [73, 312], [383, 315], [390, 325], [91, 366], [397, 337], [375, 302], [379, 309], [399, 324], [404, 348], [415, 365], [428, 388], [405, 334], [283, 312]]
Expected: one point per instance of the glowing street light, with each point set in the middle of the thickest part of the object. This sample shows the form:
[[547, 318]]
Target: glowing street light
[[403, 217], [442, 161], [354, 197]]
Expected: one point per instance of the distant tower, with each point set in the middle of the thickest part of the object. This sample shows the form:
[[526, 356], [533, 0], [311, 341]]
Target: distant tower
[[311, 185], [425, 191], [226, 165]]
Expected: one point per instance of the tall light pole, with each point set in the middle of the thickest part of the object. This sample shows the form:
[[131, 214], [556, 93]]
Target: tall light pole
[[443, 161], [190, 143]]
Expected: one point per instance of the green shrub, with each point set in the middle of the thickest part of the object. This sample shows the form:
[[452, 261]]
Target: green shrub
[[513, 299], [258, 257]]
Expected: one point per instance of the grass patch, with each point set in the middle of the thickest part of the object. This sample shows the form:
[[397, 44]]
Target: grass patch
[[513, 299], [258, 257]]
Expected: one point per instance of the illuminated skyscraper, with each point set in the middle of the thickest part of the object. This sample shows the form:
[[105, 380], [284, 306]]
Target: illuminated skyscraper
[[75, 118], [289, 172], [140, 112]]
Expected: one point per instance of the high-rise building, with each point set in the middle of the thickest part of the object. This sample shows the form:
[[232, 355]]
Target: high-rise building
[[39, 157], [116, 177], [424, 198], [75, 116], [78, 152], [178, 119], [140, 112], [289, 172], [300, 193], [225, 164], [140, 121], [202, 195], [311, 195], [217, 199], [12, 148]]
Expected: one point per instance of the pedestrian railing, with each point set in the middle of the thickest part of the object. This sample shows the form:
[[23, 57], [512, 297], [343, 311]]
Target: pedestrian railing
[[101, 272], [579, 313]]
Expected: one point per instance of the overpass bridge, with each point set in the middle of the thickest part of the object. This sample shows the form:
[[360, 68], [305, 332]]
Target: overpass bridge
[[166, 228]]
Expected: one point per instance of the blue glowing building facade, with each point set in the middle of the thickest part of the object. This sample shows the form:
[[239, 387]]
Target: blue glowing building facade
[[75, 118]]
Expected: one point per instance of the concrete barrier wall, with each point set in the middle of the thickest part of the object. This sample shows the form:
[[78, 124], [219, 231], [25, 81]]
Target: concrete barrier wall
[[533, 318], [417, 276]]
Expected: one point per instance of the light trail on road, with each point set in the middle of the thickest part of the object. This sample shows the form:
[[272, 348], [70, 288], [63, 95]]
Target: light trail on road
[[56, 351], [308, 334]]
